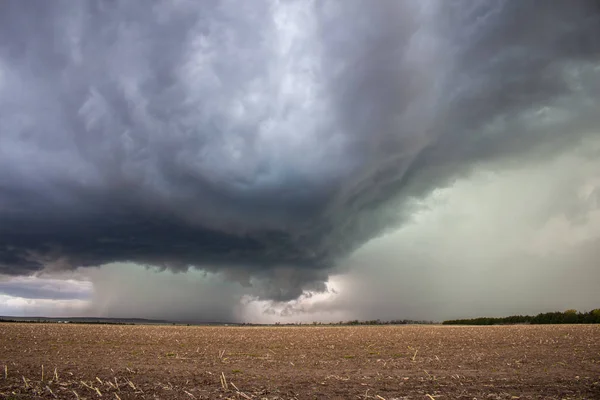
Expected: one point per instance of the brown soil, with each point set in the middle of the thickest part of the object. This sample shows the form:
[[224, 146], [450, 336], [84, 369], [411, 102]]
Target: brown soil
[[373, 362]]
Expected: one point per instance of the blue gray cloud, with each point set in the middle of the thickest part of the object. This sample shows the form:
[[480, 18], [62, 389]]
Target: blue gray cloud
[[46, 288], [255, 138]]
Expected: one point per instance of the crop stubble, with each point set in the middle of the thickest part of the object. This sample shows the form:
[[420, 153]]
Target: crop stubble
[[366, 362]]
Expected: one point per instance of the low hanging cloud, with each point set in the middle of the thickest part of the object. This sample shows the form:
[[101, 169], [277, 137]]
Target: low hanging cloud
[[266, 141]]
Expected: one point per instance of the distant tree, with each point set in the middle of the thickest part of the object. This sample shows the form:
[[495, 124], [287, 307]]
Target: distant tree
[[596, 315], [568, 317]]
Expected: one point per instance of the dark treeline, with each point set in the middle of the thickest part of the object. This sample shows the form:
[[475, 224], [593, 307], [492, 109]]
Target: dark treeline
[[557, 317]]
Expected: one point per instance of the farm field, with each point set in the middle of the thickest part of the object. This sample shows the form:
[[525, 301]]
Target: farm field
[[310, 362]]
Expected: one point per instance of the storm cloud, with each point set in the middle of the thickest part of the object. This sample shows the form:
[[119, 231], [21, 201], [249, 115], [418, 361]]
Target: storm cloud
[[267, 140]]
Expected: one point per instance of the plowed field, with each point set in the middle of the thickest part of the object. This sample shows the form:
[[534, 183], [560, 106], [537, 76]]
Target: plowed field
[[69, 361]]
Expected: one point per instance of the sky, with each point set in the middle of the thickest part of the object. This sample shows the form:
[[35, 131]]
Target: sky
[[281, 161]]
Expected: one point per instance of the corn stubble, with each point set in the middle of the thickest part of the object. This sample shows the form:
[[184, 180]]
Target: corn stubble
[[48, 361]]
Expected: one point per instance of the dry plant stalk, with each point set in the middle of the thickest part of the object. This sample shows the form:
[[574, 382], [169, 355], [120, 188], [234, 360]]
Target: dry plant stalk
[[131, 384], [224, 381], [239, 392], [50, 390]]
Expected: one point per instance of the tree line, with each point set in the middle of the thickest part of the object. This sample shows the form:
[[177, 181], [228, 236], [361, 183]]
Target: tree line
[[557, 317]]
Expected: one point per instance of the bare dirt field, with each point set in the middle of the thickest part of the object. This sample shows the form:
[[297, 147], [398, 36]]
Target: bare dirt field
[[369, 362]]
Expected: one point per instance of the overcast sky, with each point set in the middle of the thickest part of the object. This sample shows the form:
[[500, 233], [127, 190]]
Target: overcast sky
[[299, 160]]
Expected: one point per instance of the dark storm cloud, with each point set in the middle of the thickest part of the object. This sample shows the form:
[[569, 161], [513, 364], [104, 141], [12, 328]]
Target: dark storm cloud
[[267, 139]]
